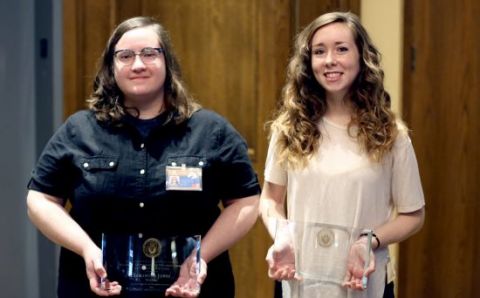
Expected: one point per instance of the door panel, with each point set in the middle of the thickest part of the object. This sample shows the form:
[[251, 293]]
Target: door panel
[[441, 105], [218, 56], [308, 10]]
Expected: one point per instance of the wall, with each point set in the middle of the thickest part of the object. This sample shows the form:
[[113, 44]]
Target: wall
[[384, 22], [18, 241], [27, 115]]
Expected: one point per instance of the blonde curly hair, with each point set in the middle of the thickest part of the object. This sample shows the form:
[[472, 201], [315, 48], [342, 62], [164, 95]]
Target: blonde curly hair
[[304, 103]]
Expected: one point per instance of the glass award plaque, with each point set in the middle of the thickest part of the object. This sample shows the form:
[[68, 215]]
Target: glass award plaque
[[321, 254], [147, 263]]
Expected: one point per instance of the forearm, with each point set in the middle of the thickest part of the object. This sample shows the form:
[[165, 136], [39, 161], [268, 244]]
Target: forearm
[[233, 223], [272, 205], [400, 228], [51, 218], [270, 210]]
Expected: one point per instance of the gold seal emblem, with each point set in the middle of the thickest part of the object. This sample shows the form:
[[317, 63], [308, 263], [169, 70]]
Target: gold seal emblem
[[325, 237], [152, 248]]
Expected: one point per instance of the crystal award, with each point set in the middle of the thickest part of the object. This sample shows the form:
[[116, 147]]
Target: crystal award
[[321, 253], [146, 262]]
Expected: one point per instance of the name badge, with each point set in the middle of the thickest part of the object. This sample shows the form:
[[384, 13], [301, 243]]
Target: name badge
[[183, 178]]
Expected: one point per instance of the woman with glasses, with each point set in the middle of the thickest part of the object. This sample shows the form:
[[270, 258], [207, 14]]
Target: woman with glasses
[[145, 157], [340, 161]]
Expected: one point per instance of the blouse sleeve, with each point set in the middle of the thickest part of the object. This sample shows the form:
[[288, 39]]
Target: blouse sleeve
[[53, 172], [274, 172], [406, 185], [236, 178]]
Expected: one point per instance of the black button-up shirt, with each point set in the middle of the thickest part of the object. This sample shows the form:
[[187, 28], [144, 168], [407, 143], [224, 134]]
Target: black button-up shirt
[[115, 176]]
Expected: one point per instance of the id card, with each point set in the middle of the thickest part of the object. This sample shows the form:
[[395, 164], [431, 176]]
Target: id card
[[183, 178]]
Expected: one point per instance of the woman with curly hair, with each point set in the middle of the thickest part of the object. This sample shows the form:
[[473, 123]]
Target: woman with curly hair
[[145, 159], [338, 157]]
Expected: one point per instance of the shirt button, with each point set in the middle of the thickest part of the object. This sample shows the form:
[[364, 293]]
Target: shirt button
[[142, 171], [201, 163], [141, 204], [111, 164], [142, 145], [85, 165]]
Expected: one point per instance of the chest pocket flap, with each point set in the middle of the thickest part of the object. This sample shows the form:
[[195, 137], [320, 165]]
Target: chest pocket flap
[[99, 163], [188, 161]]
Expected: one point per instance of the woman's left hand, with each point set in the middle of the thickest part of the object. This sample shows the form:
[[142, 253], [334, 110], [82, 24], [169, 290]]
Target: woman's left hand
[[190, 279], [356, 267]]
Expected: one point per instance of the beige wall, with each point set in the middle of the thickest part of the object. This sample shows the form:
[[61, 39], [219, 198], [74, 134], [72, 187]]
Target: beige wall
[[384, 22]]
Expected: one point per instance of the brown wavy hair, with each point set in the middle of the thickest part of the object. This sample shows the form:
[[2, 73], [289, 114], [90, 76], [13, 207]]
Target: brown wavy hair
[[107, 100], [304, 103]]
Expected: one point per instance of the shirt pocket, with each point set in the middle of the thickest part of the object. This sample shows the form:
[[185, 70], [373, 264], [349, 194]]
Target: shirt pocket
[[99, 173]]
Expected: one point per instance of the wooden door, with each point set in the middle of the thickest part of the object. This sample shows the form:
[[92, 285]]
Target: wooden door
[[441, 106], [233, 55]]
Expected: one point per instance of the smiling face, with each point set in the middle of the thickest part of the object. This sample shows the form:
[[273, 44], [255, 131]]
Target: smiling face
[[141, 84], [335, 59]]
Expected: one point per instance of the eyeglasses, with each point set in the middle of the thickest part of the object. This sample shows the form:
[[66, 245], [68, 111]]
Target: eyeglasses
[[147, 55]]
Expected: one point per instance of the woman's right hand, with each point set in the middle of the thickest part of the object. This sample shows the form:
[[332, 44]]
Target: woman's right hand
[[97, 275], [281, 258], [53, 220]]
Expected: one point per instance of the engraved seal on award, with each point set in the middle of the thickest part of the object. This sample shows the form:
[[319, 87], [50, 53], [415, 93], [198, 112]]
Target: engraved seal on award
[[325, 237], [152, 248]]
